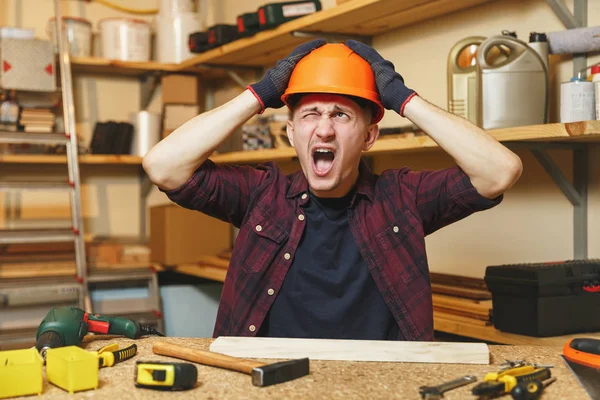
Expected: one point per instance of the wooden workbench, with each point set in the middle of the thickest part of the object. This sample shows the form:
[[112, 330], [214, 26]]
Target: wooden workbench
[[327, 380]]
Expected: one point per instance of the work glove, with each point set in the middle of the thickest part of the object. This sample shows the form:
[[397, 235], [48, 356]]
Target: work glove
[[394, 94], [271, 87]]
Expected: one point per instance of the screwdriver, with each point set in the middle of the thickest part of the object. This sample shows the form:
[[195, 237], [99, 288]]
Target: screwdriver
[[530, 390]]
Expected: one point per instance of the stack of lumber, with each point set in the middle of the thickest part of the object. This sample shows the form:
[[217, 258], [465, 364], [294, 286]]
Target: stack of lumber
[[36, 260], [43, 260], [461, 299]]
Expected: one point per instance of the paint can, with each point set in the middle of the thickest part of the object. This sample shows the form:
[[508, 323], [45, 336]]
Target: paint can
[[125, 39], [78, 32]]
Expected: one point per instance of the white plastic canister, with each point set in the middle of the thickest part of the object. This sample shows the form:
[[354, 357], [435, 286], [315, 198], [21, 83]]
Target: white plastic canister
[[125, 39], [577, 101], [78, 32]]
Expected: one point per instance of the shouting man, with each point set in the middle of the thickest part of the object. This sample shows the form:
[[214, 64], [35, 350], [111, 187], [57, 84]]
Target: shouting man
[[333, 250]]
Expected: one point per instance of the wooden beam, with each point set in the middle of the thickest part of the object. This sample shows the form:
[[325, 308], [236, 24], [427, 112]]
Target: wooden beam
[[353, 350], [491, 334]]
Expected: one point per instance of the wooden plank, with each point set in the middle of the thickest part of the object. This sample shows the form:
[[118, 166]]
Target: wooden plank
[[482, 307], [457, 291], [491, 334], [202, 271], [463, 313], [37, 270], [457, 280], [458, 318], [352, 350], [97, 159], [213, 261]]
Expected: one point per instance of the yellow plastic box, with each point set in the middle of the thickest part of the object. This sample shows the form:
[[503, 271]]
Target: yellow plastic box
[[72, 368], [20, 373]]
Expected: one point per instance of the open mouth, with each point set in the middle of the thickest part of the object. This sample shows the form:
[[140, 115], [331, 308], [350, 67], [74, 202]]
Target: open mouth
[[322, 160]]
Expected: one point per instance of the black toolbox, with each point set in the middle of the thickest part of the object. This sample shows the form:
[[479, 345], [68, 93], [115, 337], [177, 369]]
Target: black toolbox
[[546, 299]]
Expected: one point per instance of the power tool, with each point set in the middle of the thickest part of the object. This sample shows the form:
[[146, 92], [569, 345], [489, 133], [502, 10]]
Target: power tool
[[67, 326]]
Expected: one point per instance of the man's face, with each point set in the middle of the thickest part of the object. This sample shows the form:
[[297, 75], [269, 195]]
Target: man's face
[[329, 133]]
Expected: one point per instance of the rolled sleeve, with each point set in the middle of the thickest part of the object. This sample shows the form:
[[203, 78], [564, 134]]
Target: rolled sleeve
[[221, 191], [445, 196]]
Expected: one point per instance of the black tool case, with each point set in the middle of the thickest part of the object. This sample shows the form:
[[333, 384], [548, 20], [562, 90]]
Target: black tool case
[[546, 299]]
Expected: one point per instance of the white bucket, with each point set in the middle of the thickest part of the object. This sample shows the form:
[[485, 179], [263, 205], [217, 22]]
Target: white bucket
[[172, 36], [125, 39], [78, 32], [174, 7]]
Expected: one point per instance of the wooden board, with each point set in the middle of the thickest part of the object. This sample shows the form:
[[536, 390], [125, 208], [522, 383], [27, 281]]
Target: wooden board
[[482, 307], [353, 350], [202, 271], [458, 318], [457, 291], [457, 280], [100, 159]]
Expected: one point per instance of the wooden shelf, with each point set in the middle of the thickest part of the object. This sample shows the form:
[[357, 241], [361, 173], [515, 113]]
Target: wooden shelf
[[491, 334], [89, 159], [355, 17], [102, 66], [585, 131]]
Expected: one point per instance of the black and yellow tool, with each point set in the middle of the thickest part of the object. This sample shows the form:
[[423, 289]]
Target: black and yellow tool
[[530, 390], [110, 355], [165, 375], [503, 382]]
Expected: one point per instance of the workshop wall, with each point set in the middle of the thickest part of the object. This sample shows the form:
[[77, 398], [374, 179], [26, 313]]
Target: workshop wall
[[534, 223]]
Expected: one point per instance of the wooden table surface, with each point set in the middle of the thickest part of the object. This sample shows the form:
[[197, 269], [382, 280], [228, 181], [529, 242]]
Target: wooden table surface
[[327, 379]]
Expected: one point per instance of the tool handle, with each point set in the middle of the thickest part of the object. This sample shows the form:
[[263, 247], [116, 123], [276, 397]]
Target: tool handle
[[206, 357]]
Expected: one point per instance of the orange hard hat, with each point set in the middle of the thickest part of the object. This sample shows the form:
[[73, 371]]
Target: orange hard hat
[[335, 68]]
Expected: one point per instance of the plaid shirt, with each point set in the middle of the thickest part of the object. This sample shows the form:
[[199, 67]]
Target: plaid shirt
[[389, 215]]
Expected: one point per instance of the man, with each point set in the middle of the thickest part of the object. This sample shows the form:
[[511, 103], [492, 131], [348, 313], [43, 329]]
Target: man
[[331, 251]]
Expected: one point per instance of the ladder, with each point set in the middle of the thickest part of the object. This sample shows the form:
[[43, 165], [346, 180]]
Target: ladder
[[72, 185]]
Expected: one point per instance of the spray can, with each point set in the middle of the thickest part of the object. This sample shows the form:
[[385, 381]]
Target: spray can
[[577, 101], [539, 43]]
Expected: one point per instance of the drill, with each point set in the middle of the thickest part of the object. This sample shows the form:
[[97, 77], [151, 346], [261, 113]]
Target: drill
[[66, 326]]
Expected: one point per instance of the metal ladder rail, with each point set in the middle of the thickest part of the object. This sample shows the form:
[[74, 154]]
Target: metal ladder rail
[[72, 157]]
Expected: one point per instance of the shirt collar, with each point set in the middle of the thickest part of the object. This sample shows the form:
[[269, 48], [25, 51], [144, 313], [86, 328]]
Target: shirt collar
[[365, 184]]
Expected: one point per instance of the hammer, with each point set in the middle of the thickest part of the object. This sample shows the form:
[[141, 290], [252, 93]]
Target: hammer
[[262, 374]]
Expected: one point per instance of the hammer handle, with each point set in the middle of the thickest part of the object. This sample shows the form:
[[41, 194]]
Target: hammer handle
[[206, 357]]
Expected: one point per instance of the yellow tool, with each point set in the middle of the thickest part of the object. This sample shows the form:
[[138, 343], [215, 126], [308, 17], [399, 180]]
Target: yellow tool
[[165, 375], [110, 355], [497, 383]]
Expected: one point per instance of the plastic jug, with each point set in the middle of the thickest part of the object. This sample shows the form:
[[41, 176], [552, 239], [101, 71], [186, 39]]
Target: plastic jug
[[462, 78], [512, 82]]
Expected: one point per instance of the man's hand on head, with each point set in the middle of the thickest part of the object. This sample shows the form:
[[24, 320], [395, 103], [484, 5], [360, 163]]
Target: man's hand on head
[[394, 93], [270, 88]]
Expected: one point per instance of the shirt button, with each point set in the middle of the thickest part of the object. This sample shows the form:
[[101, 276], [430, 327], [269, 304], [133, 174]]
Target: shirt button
[[304, 196], [258, 228], [252, 328], [396, 229], [301, 217], [271, 292], [287, 256]]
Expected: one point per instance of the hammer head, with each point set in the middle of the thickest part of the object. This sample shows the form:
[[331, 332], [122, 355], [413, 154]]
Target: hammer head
[[280, 372]]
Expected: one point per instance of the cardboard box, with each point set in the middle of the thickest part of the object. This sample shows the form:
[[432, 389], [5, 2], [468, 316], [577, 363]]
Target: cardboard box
[[182, 89], [179, 235], [27, 64], [175, 115]]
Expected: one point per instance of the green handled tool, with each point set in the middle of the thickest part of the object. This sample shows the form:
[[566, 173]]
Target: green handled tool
[[67, 326]]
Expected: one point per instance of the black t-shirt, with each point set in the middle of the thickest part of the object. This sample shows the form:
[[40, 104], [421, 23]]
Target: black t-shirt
[[328, 291]]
